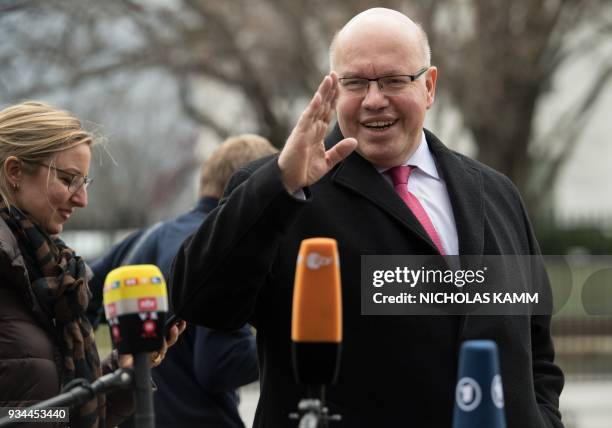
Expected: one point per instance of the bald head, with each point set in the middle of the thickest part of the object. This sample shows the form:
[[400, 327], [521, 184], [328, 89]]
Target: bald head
[[373, 22], [386, 121]]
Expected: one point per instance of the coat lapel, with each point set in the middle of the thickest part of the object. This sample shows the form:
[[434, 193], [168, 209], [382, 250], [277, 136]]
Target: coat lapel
[[465, 190], [360, 176]]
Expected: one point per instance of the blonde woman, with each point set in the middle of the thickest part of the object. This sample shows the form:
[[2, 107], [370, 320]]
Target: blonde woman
[[45, 339]]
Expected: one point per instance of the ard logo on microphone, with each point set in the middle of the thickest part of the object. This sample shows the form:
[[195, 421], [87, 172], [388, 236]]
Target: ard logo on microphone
[[497, 392], [468, 394]]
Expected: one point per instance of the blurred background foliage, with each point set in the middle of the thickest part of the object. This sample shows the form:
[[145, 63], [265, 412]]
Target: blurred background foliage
[[165, 80]]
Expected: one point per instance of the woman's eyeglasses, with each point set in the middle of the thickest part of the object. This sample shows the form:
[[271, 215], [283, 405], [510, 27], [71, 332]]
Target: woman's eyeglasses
[[76, 181]]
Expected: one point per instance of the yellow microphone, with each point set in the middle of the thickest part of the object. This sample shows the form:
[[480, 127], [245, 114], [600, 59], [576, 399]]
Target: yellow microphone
[[316, 326], [135, 304]]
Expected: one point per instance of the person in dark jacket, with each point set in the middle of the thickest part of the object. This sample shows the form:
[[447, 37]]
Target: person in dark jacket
[[395, 370], [45, 339], [198, 380]]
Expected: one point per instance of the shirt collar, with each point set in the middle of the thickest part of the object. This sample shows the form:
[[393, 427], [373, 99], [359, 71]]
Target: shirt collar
[[422, 159]]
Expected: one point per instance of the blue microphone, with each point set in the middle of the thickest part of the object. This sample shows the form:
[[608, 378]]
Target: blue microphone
[[479, 396]]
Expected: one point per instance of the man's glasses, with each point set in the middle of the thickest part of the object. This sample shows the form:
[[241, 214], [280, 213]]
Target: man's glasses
[[388, 85], [74, 181]]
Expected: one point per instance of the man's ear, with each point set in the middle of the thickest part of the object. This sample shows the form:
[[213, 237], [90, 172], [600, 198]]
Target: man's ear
[[430, 82], [13, 169]]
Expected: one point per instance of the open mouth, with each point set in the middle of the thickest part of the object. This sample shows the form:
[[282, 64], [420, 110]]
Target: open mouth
[[65, 214], [379, 125]]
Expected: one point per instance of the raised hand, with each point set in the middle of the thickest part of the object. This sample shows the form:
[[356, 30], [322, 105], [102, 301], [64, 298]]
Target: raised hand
[[303, 160]]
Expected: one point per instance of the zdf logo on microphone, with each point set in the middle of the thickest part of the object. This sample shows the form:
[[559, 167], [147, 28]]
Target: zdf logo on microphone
[[315, 261], [468, 394]]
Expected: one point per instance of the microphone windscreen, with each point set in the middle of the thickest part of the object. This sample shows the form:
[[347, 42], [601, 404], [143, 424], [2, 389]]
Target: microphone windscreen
[[316, 326], [135, 304], [479, 396]]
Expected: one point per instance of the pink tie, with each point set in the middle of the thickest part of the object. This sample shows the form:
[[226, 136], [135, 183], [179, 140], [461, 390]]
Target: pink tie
[[400, 175]]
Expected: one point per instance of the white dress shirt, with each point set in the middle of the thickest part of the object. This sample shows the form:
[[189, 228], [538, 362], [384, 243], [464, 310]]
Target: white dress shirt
[[430, 189]]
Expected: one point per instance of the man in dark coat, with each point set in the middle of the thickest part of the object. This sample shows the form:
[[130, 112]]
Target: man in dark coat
[[198, 379], [395, 370]]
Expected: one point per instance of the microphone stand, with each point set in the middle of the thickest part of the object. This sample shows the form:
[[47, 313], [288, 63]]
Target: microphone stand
[[312, 412], [144, 417], [81, 393]]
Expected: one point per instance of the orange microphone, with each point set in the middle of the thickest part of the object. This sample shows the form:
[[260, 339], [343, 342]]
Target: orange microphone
[[316, 327]]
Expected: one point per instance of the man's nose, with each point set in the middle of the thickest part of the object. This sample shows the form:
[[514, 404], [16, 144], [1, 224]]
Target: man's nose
[[374, 98]]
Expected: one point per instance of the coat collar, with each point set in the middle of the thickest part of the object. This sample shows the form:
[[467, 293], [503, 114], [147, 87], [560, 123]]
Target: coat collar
[[206, 204], [464, 184]]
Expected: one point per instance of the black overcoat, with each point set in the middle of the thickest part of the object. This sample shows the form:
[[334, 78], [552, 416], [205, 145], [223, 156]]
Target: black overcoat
[[396, 371]]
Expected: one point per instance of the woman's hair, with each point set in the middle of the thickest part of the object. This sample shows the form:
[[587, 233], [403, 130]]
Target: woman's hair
[[34, 131]]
